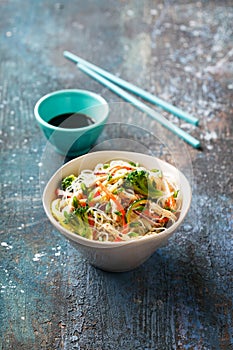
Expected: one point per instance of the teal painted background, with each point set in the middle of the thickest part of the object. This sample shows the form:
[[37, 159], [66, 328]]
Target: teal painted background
[[181, 298]]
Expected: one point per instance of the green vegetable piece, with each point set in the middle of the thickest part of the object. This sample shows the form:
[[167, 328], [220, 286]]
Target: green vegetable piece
[[81, 211], [155, 170], [140, 208], [134, 224], [108, 207], [75, 202], [175, 194], [133, 206], [133, 234], [160, 174], [138, 179], [134, 164], [140, 182], [67, 181], [78, 222], [84, 188], [118, 190], [90, 196], [67, 217]]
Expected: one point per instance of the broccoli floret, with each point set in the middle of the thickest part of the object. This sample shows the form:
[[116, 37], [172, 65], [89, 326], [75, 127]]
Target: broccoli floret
[[141, 183], [138, 179], [78, 221], [81, 212], [78, 214], [67, 181]]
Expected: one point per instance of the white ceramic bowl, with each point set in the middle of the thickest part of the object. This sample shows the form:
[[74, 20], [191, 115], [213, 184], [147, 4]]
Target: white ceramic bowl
[[116, 256]]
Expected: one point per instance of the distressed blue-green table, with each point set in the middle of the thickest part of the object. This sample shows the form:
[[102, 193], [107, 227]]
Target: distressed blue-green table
[[181, 298]]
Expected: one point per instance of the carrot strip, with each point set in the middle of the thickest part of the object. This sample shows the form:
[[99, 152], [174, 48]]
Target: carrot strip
[[170, 203], [118, 167], [118, 239], [111, 196]]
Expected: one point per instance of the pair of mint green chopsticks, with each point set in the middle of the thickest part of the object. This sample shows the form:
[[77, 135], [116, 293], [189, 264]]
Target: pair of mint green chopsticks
[[116, 84]]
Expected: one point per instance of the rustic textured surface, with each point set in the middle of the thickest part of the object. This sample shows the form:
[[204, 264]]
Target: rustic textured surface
[[181, 298]]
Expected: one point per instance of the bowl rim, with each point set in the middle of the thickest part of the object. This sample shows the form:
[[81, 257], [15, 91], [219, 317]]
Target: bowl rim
[[98, 244], [98, 97]]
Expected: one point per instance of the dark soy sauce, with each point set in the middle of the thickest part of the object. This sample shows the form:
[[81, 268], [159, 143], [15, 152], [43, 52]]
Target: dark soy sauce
[[71, 120]]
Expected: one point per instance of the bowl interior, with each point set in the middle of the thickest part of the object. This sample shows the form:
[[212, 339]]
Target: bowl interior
[[89, 161], [71, 101]]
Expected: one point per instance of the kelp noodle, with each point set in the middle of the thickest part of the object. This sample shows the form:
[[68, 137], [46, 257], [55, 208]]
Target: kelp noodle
[[117, 201]]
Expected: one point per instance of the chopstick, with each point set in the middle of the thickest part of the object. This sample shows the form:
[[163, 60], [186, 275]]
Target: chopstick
[[140, 105], [134, 89]]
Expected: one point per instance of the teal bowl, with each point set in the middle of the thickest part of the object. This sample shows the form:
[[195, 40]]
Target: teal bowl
[[72, 141]]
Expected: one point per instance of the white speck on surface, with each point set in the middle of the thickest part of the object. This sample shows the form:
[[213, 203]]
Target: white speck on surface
[[210, 136], [5, 244], [196, 33], [192, 23], [153, 12], [22, 318], [130, 13], [183, 27], [188, 69], [186, 126], [37, 256], [8, 34], [187, 227]]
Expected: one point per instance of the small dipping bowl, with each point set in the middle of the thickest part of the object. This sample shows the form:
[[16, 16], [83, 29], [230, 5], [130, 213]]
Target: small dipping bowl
[[72, 141]]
